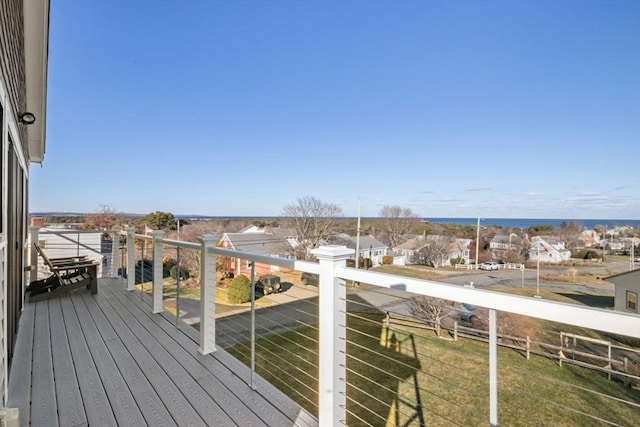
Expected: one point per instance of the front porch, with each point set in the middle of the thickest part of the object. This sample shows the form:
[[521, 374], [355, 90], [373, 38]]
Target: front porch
[[106, 359]]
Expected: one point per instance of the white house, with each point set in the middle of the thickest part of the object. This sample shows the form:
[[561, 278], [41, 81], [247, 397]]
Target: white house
[[505, 243], [548, 249], [627, 289], [458, 248], [369, 246], [24, 31]]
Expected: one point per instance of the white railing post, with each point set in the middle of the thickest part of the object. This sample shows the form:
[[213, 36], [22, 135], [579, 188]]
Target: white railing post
[[207, 295], [115, 251], [332, 320], [131, 258], [33, 255], [156, 291], [493, 368]]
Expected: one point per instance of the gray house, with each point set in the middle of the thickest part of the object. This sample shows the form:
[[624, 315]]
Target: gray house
[[627, 291]]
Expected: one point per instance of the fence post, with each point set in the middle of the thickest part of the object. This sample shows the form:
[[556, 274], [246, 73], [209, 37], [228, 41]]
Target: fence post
[[207, 295], [131, 258], [33, 254], [115, 251], [455, 330], [493, 367], [332, 336], [528, 348], [156, 291]]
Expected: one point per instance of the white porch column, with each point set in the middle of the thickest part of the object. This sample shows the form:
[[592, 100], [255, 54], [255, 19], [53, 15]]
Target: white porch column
[[332, 386], [207, 295], [33, 254], [156, 292], [131, 259], [115, 251]]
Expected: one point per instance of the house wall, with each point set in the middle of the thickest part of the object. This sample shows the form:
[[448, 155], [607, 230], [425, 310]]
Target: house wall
[[14, 179], [629, 282]]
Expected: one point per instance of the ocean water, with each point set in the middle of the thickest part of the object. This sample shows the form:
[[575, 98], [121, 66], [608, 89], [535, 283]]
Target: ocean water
[[529, 222]]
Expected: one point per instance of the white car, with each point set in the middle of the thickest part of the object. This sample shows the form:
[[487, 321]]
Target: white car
[[489, 266]]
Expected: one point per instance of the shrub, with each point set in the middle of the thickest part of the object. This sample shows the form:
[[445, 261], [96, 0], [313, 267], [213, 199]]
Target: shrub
[[239, 290], [184, 273], [387, 259], [457, 260]]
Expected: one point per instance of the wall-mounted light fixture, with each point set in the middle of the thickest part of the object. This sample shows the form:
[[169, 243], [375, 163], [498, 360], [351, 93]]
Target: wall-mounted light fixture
[[26, 118]]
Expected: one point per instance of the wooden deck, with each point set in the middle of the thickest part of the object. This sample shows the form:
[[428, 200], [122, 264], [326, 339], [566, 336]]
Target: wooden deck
[[105, 359]]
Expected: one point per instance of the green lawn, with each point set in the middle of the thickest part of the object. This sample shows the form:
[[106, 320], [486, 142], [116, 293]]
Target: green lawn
[[416, 377]]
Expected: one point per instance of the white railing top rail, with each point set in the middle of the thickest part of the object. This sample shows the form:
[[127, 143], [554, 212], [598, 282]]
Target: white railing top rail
[[181, 244], [594, 318], [68, 231]]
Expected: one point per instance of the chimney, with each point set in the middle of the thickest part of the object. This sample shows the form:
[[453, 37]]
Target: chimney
[[37, 221]]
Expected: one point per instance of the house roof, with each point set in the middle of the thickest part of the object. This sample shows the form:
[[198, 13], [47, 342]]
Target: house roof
[[259, 243], [411, 244], [635, 272], [36, 51], [366, 242], [504, 238]]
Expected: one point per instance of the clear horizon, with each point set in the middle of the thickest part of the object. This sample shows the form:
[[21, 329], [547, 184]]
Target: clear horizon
[[457, 109]]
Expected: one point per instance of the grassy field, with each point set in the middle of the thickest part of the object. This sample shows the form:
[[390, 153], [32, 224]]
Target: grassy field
[[407, 376]]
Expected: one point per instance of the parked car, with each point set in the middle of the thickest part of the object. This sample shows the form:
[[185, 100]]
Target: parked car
[[268, 284], [309, 279], [489, 266]]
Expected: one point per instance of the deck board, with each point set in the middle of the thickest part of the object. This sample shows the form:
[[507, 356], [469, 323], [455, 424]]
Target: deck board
[[70, 405], [19, 395], [106, 359], [95, 399], [44, 410], [170, 358]]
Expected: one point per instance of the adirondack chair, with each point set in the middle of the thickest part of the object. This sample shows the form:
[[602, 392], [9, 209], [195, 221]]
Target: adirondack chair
[[68, 274]]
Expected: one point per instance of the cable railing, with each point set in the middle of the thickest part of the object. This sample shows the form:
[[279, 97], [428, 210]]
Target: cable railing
[[63, 243], [366, 355]]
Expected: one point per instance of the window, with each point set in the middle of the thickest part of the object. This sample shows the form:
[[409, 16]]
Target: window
[[632, 301]]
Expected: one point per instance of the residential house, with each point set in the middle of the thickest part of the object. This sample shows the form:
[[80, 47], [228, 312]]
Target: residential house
[[271, 244], [457, 248], [24, 31], [589, 238], [627, 289], [410, 247], [369, 246], [502, 243], [548, 249], [612, 244]]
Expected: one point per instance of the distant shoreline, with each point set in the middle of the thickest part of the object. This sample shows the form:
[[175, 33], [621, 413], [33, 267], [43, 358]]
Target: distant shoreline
[[500, 222]]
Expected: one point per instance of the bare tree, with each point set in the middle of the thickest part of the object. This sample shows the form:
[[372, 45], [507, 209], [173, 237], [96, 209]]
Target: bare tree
[[431, 309], [313, 220], [397, 224], [569, 232], [104, 219], [190, 258], [436, 250]]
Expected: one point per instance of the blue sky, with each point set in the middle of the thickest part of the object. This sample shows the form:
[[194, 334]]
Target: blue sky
[[452, 108]]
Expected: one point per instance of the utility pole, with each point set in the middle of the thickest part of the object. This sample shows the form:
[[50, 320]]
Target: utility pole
[[477, 241], [537, 295], [358, 236]]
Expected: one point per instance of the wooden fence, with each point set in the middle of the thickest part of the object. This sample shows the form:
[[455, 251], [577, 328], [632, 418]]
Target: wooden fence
[[624, 368]]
